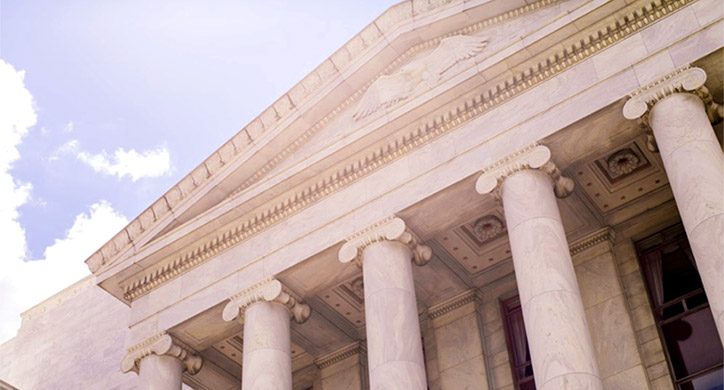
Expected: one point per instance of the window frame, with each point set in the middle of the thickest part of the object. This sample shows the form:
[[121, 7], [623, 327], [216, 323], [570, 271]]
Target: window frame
[[657, 242]]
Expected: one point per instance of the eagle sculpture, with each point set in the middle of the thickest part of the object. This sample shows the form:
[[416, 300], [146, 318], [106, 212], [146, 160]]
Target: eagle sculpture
[[390, 89]]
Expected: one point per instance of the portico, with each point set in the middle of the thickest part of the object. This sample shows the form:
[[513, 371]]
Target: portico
[[462, 197]]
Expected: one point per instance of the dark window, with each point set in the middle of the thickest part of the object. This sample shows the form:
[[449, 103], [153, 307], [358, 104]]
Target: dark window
[[681, 309], [517, 344]]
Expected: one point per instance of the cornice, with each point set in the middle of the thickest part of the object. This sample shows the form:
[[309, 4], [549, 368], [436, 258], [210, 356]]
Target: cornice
[[591, 240], [452, 304], [339, 355], [267, 290], [388, 229], [431, 129], [533, 156], [59, 298], [161, 344]]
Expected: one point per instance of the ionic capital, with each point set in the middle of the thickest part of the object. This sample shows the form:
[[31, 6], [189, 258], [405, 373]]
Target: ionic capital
[[161, 344], [533, 156], [682, 80], [388, 229], [268, 290]]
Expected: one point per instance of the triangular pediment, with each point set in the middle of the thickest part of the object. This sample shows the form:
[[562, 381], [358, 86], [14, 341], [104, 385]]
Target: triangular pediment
[[387, 77]]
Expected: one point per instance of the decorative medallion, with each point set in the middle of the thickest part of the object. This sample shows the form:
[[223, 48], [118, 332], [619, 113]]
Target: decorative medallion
[[623, 162], [487, 228]]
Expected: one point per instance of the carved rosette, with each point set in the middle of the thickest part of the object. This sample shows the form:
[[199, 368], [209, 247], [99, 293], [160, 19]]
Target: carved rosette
[[389, 229], [487, 228], [268, 290], [683, 80], [623, 162], [533, 156], [161, 344]]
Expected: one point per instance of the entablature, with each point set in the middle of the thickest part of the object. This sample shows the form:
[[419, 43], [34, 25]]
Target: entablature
[[407, 128]]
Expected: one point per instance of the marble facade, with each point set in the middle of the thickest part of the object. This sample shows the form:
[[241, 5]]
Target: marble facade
[[362, 232]]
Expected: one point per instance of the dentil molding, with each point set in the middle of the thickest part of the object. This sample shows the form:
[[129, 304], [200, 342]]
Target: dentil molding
[[268, 290], [161, 344], [340, 354], [430, 129], [534, 156], [388, 229]]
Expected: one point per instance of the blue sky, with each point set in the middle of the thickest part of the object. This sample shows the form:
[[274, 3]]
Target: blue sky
[[106, 104]]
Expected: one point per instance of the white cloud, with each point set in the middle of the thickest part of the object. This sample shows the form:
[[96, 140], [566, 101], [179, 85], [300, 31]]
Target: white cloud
[[26, 283], [17, 115], [68, 127], [150, 163]]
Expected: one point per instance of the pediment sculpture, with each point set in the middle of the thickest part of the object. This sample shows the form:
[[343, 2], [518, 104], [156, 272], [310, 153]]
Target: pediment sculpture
[[428, 70]]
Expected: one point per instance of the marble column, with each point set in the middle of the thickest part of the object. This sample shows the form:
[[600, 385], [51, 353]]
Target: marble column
[[160, 362], [678, 110], [560, 343], [265, 310], [394, 344]]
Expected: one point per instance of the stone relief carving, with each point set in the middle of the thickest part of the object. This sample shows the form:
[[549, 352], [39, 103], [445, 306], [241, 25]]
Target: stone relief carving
[[427, 71], [623, 162], [269, 290], [161, 344], [144, 282], [487, 227]]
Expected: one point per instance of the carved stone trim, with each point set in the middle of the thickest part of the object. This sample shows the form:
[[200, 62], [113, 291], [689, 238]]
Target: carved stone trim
[[452, 304], [339, 355], [161, 344], [390, 229], [433, 128], [595, 238], [268, 290], [533, 156], [682, 80]]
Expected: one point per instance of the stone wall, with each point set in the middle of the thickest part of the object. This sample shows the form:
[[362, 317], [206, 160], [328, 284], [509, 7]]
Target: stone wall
[[73, 340]]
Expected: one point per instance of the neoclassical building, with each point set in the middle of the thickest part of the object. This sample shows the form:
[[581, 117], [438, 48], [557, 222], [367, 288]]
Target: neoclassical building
[[483, 194]]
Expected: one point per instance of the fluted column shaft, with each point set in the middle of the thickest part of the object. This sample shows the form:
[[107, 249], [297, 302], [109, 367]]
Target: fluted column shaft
[[560, 344], [694, 164], [394, 343], [160, 372], [267, 362]]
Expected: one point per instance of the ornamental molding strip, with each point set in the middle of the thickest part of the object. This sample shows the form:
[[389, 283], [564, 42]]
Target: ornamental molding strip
[[682, 80], [605, 234], [391, 228], [161, 344], [339, 355], [268, 290], [533, 156], [452, 304], [430, 129]]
